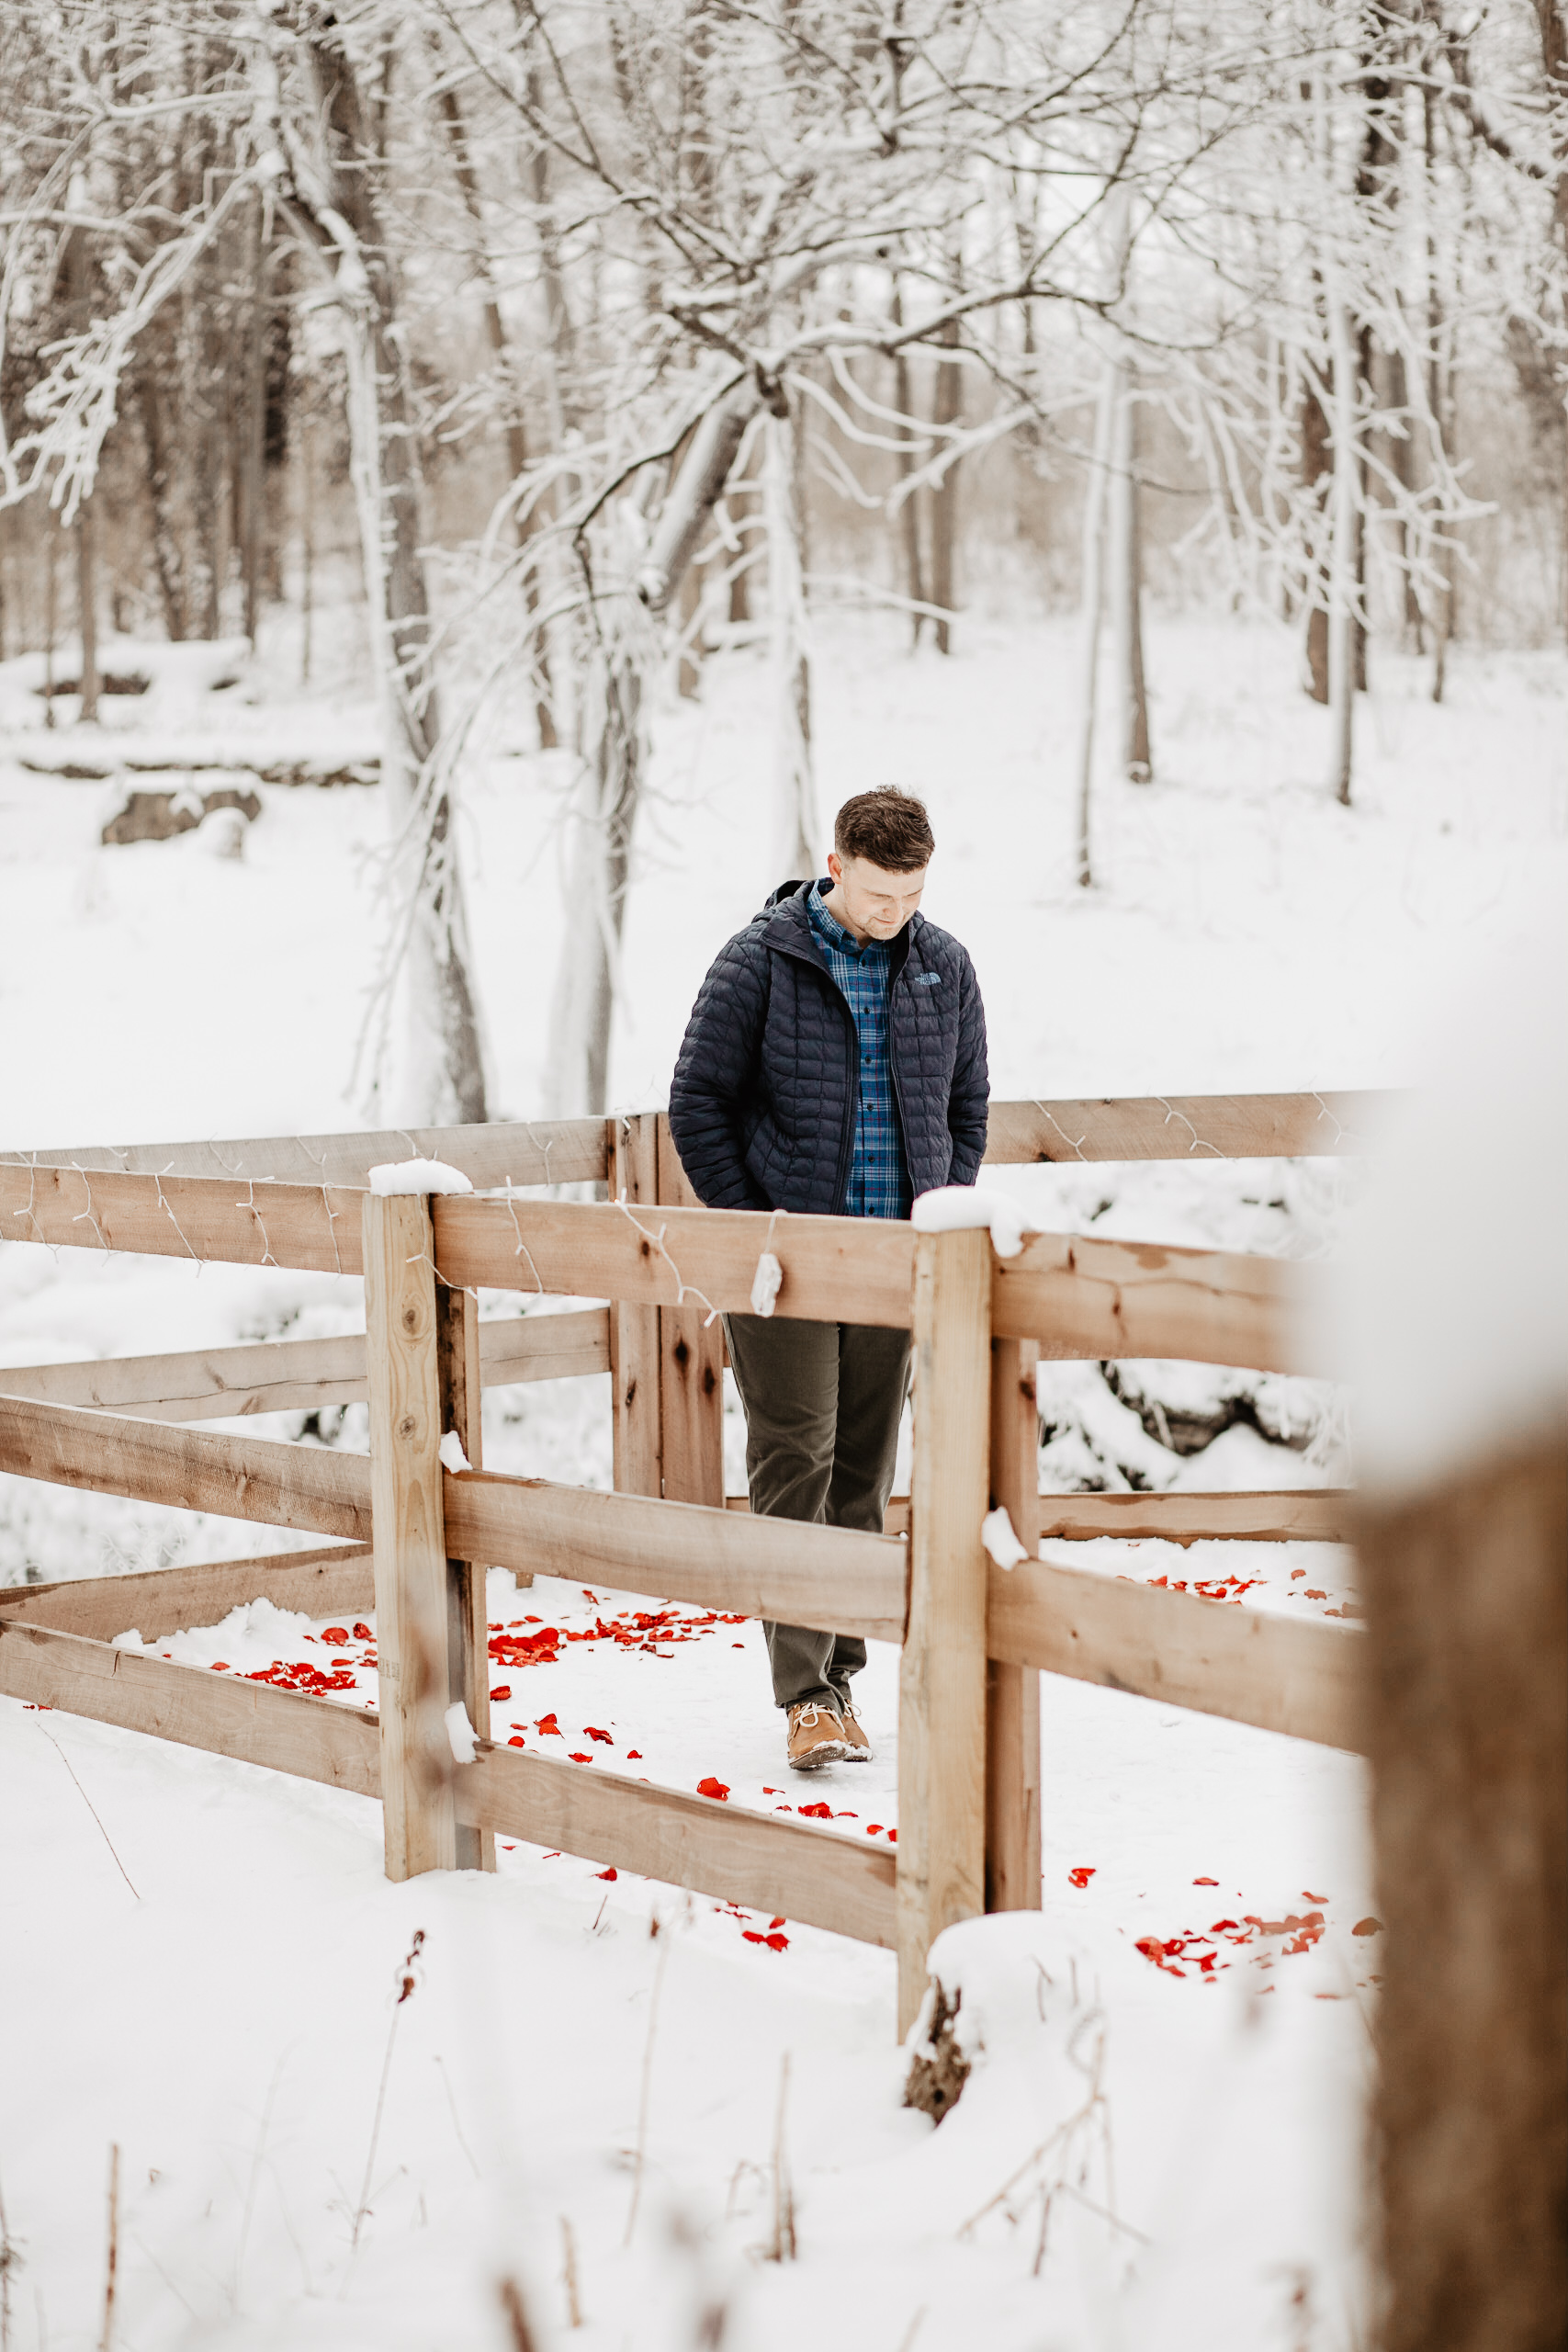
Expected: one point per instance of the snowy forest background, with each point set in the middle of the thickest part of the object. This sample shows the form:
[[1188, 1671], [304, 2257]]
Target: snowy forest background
[[538, 364]]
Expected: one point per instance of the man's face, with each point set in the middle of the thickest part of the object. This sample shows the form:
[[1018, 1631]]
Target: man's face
[[878, 904]]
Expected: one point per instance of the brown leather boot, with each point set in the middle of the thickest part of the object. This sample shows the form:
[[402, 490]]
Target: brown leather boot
[[815, 1738], [858, 1747]]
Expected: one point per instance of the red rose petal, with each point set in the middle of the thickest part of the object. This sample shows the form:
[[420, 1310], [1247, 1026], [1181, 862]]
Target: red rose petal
[[712, 1788]]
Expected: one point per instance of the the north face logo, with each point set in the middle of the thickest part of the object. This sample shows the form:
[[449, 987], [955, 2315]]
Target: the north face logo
[[928, 980]]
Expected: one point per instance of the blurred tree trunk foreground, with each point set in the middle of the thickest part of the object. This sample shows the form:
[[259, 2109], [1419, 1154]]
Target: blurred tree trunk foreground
[[1466, 1593]]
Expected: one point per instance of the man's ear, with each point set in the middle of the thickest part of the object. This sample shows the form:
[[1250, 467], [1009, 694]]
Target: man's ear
[[835, 865]]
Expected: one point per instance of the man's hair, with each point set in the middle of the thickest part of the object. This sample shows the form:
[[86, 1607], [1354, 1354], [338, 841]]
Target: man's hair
[[887, 828]]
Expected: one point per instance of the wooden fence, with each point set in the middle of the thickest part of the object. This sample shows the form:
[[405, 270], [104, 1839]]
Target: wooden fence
[[412, 1540]]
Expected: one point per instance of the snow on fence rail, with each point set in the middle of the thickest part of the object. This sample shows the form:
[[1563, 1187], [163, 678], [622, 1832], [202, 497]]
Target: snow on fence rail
[[973, 1636]]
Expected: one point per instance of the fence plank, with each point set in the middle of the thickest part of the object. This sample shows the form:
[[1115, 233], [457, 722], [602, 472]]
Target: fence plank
[[283, 1375], [313, 1226], [830, 1576], [1012, 1693], [410, 1539], [224, 1714], [1085, 1298], [562, 1151], [1183, 1126], [691, 1369], [238, 1477], [638, 1429], [778, 1868], [941, 1681], [1283, 1674], [330, 1583], [836, 1269], [467, 1631], [1298, 1515]]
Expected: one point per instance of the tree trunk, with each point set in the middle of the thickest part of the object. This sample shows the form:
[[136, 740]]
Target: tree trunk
[[795, 794], [581, 1010], [1467, 1732], [1093, 598], [1343, 549], [1315, 466], [87, 606], [79, 292], [442, 1081], [1127, 586], [146, 396], [1440, 424], [945, 406], [515, 430], [908, 510], [253, 500]]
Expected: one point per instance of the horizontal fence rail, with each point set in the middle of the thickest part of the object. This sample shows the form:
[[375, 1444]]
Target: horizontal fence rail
[[1291, 1515], [1282, 1674], [793, 1868], [538, 1151], [1078, 1296], [333, 1582], [279, 1375], [1184, 1127], [1097, 1127]]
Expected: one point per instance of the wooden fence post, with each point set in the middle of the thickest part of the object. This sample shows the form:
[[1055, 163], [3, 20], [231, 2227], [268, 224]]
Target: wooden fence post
[[691, 1358], [1012, 1693], [635, 1382], [467, 1624], [409, 1534], [941, 1681]]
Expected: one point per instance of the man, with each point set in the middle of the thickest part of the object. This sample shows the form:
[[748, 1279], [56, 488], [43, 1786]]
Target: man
[[835, 1066]]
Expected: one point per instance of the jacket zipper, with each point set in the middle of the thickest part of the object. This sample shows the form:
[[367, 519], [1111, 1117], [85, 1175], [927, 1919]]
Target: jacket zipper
[[847, 1131]]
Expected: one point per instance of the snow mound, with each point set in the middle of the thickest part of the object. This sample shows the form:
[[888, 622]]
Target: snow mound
[[958, 1208], [1450, 1310], [396, 1178]]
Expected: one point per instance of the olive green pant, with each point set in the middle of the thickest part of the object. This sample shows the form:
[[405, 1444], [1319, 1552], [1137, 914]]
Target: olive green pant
[[823, 1403]]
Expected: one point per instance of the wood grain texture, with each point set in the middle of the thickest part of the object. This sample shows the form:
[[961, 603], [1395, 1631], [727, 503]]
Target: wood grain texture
[[238, 1477], [284, 1375], [691, 1369], [1184, 1127], [1298, 1515], [1012, 1693], [467, 1631], [224, 1714], [942, 1682], [231, 1219], [836, 1269], [543, 1151], [829, 1577], [409, 1535], [776, 1867], [1290, 1675], [337, 1582], [1083, 1298], [638, 1427]]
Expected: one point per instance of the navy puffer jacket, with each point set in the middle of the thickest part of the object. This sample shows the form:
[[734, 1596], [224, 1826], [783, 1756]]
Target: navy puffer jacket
[[762, 1103]]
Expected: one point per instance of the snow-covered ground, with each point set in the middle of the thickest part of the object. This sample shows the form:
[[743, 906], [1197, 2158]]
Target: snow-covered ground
[[224, 2015]]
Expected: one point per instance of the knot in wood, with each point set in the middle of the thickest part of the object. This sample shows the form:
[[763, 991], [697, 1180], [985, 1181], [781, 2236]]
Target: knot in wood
[[683, 1353], [411, 1316], [406, 1426]]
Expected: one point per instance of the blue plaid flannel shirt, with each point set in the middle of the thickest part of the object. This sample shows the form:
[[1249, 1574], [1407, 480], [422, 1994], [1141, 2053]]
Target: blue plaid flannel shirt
[[879, 1179]]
